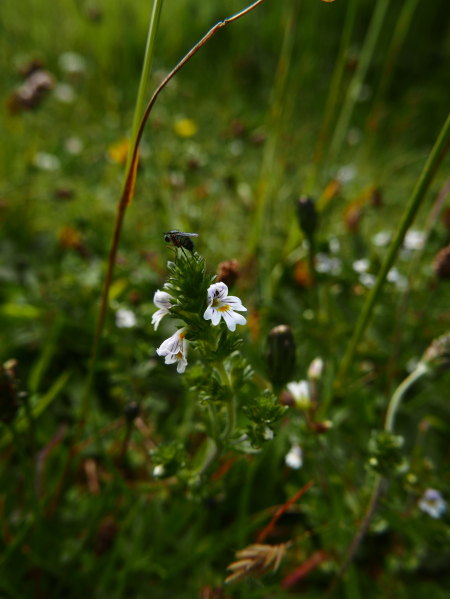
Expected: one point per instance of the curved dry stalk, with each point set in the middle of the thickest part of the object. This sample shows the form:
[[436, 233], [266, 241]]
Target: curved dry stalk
[[125, 200]]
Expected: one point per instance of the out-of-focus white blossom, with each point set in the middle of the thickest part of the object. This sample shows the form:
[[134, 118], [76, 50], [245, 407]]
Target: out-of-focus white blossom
[[414, 240], [294, 459], [315, 369], [361, 265], [300, 393], [432, 503], [125, 319]]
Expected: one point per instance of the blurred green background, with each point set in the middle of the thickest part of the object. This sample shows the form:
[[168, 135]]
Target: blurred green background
[[228, 148]]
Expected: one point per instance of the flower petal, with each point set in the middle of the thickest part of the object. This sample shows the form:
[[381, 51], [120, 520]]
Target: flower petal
[[161, 299], [158, 316], [232, 319], [215, 317], [235, 303]]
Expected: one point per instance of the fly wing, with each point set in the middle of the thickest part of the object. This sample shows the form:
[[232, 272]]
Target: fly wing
[[187, 234]]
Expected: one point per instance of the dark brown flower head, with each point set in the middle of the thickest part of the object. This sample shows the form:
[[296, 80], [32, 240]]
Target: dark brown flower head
[[29, 95], [441, 263], [280, 355], [9, 391], [228, 272], [307, 216]]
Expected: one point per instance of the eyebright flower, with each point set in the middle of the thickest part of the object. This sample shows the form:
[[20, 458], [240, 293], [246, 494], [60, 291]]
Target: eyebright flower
[[174, 350], [433, 503], [221, 304], [161, 299], [294, 459], [300, 393]]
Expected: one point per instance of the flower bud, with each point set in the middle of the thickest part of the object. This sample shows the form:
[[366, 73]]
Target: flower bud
[[131, 411], [307, 216], [441, 263], [315, 369], [280, 355], [437, 356], [228, 272], [8, 392]]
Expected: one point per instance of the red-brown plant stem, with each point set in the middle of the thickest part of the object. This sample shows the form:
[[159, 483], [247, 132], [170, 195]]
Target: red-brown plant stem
[[125, 200]]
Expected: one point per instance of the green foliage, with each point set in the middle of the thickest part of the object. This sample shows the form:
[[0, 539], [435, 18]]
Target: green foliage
[[172, 458], [385, 453]]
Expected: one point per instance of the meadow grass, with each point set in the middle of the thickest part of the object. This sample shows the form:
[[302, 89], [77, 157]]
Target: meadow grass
[[341, 101]]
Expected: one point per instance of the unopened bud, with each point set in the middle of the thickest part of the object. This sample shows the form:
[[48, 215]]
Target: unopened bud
[[228, 272], [437, 356], [131, 411], [315, 369], [9, 392], [322, 427], [441, 263], [280, 355], [307, 216]]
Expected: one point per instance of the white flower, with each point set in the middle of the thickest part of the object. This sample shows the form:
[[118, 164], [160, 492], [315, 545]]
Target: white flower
[[268, 434], [361, 265], [315, 369], [335, 245], [294, 459], [325, 264], [161, 299], [414, 240], [125, 319], [158, 471], [46, 162], [346, 173], [174, 350], [300, 393], [433, 503], [381, 239], [222, 304], [367, 279], [398, 279]]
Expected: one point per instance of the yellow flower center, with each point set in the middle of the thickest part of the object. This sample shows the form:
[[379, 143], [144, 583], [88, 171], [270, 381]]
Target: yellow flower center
[[223, 308]]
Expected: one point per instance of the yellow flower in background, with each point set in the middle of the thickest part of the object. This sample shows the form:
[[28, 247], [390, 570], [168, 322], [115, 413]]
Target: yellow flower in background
[[118, 151], [185, 127]]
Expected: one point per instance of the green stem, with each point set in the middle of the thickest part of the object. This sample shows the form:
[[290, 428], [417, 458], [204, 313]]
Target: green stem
[[145, 75], [351, 97], [28, 470], [394, 404], [231, 403], [428, 172], [397, 397], [333, 93]]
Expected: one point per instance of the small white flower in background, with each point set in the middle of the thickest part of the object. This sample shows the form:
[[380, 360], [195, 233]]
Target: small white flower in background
[[64, 93], [381, 239], [335, 245], [294, 459], [220, 304], [414, 240], [300, 393], [398, 279], [161, 299], [125, 319], [158, 471], [174, 350], [315, 369], [46, 162], [361, 265], [432, 503], [325, 264], [74, 146], [72, 63], [268, 434], [367, 279], [346, 173]]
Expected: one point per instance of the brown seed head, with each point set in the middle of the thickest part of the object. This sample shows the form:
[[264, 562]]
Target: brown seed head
[[256, 560], [441, 263], [228, 272]]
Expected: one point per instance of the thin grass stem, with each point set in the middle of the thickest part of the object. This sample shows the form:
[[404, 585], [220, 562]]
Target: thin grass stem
[[412, 207], [351, 97]]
